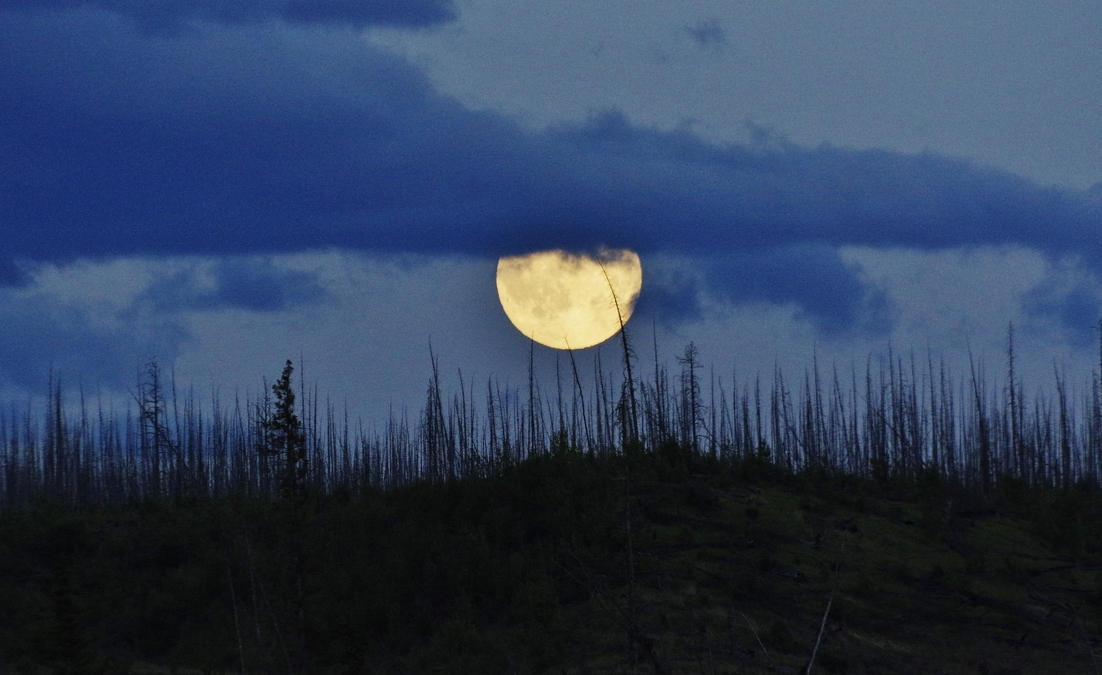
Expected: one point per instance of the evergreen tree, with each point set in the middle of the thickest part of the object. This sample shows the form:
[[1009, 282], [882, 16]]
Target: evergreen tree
[[284, 438]]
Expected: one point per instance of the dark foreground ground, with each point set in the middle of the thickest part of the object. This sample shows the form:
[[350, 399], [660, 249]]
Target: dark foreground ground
[[567, 564]]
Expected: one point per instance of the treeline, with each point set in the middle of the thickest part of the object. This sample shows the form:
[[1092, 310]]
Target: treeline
[[895, 417]]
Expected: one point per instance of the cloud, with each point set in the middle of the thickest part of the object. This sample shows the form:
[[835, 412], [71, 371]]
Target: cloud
[[828, 290], [672, 291], [708, 34], [43, 335], [1074, 303], [159, 15], [11, 274], [237, 140], [105, 320], [235, 282]]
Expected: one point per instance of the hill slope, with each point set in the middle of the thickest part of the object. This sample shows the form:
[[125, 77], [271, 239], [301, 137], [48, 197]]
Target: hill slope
[[657, 563]]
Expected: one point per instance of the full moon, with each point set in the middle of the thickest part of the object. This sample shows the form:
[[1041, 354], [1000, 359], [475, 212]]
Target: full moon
[[569, 301]]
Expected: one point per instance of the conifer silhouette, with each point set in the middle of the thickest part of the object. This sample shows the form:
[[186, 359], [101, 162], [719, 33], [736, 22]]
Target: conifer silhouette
[[284, 439]]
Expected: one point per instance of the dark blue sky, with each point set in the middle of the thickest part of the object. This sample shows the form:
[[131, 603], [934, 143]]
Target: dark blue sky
[[229, 132]]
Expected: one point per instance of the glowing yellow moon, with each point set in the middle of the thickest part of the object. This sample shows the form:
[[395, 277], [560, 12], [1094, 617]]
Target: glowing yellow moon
[[567, 301]]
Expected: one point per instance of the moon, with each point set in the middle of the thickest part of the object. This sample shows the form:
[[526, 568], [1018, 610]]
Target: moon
[[569, 301]]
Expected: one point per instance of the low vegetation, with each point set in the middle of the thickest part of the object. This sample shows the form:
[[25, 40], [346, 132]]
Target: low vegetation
[[666, 562]]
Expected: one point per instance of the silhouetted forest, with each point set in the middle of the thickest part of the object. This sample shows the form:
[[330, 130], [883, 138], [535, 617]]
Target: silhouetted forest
[[897, 416], [899, 519]]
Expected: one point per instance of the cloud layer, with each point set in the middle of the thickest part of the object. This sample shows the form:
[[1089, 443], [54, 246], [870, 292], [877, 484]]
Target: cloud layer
[[172, 14], [243, 137]]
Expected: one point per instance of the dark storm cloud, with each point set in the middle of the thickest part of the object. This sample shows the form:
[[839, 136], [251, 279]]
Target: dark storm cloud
[[168, 14], [260, 139]]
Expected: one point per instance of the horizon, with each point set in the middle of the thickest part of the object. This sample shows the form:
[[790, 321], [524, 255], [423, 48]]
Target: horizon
[[896, 420]]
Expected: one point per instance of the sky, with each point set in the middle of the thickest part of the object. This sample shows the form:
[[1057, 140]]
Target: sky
[[222, 185]]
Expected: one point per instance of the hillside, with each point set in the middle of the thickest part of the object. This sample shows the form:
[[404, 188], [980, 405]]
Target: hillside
[[660, 562]]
